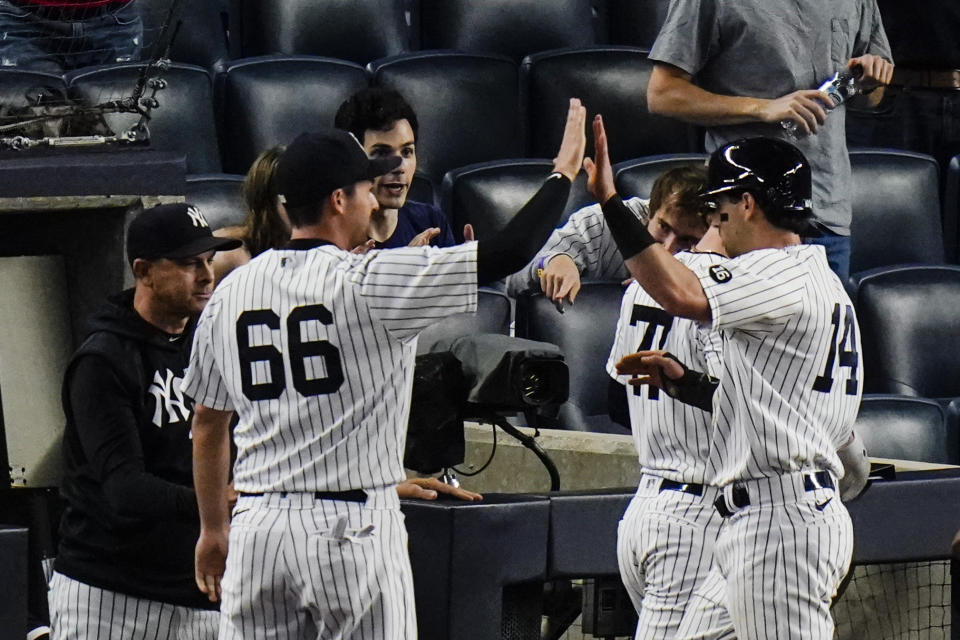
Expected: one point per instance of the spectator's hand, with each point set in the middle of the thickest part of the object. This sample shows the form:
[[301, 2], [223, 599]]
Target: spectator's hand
[[424, 238], [807, 108], [649, 367], [877, 72], [574, 142], [627, 282], [430, 488], [468, 233], [560, 278], [210, 562], [363, 248], [599, 170]]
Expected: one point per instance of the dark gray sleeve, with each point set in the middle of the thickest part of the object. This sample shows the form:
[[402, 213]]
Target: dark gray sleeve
[[688, 36], [872, 38]]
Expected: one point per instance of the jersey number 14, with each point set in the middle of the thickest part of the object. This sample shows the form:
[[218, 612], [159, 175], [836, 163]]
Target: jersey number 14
[[845, 348], [300, 351]]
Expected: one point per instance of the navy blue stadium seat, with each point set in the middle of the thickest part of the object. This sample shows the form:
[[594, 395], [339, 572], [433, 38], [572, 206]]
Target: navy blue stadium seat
[[355, 30], [896, 209], [421, 189], [906, 428], [219, 196], [20, 88], [467, 106], [266, 101], [951, 210], [909, 325], [584, 332], [636, 177], [609, 80], [512, 28], [202, 35], [493, 316], [183, 121], [489, 194], [634, 22]]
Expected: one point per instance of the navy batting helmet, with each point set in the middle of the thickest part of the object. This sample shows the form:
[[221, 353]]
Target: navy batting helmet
[[774, 171]]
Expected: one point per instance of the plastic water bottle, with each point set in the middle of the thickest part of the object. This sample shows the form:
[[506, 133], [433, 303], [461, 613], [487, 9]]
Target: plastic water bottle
[[839, 87]]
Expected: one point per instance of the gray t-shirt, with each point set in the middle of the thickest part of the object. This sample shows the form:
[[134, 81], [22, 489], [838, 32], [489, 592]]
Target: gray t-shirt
[[767, 49]]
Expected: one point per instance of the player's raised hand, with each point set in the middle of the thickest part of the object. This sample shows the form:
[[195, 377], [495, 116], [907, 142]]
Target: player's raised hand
[[363, 248], [599, 170], [649, 367], [560, 278], [210, 560], [574, 143], [425, 237], [468, 235], [430, 488]]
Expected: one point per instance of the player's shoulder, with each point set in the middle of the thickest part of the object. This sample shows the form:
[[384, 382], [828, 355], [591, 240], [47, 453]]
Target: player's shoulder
[[694, 259]]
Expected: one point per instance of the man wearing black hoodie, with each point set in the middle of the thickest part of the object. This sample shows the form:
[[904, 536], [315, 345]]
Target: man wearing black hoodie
[[124, 568]]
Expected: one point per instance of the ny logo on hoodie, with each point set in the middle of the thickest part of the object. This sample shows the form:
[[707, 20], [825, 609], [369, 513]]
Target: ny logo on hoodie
[[169, 398]]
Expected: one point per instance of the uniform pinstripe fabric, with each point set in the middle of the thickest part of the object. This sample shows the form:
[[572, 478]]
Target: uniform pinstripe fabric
[[775, 309], [778, 564], [302, 568], [673, 439], [789, 392], [352, 437], [665, 539], [79, 611], [586, 238]]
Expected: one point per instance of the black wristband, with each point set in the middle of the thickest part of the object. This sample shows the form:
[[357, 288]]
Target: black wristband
[[693, 387], [628, 232]]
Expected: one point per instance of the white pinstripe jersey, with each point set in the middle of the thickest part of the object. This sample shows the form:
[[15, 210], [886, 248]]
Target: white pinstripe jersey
[[314, 349], [672, 438], [791, 381], [586, 238]]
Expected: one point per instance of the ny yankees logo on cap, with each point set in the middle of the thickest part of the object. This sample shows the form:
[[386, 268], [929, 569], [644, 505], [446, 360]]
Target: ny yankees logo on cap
[[196, 217], [720, 274]]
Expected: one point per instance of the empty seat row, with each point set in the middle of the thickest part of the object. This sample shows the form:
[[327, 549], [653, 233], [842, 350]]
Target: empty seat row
[[215, 31]]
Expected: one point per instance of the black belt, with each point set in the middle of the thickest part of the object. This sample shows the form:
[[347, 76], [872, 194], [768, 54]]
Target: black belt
[[353, 495], [683, 487], [740, 497], [931, 79]]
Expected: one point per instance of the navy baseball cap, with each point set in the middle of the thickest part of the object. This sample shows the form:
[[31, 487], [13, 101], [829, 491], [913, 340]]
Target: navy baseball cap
[[173, 231], [318, 163]]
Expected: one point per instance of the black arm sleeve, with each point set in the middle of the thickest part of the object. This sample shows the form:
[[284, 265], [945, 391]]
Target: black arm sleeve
[[628, 232], [617, 407], [107, 428], [517, 243], [694, 388]]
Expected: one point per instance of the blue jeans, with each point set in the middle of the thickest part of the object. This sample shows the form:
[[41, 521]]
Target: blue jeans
[[838, 253], [41, 39]]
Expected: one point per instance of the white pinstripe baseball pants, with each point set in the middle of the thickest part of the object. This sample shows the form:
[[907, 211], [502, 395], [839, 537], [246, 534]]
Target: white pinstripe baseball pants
[[665, 549], [777, 565], [298, 567], [79, 611]]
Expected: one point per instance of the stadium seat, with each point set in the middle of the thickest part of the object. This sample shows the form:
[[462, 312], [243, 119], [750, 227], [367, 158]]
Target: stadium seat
[[262, 102], [635, 23], [907, 428], [611, 81], [909, 326], [488, 194], [636, 177], [512, 28], [20, 89], [584, 332], [219, 196], [421, 189], [951, 210], [896, 209], [201, 37], [466, 105], [183, 121], [355, 30], [493, 316]]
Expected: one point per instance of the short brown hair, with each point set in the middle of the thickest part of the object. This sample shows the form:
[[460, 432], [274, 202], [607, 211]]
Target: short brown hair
[[686, 182]]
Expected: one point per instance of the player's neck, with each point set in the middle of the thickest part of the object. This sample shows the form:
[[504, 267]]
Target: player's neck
[[322, 232], [383, 223]]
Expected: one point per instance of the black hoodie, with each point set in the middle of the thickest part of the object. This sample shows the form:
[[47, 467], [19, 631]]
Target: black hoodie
[[131, 520]]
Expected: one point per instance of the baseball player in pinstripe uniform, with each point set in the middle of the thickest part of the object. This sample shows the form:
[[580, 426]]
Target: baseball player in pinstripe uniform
[[788, 391], [584, 248], [314, 348], [666, 537]]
